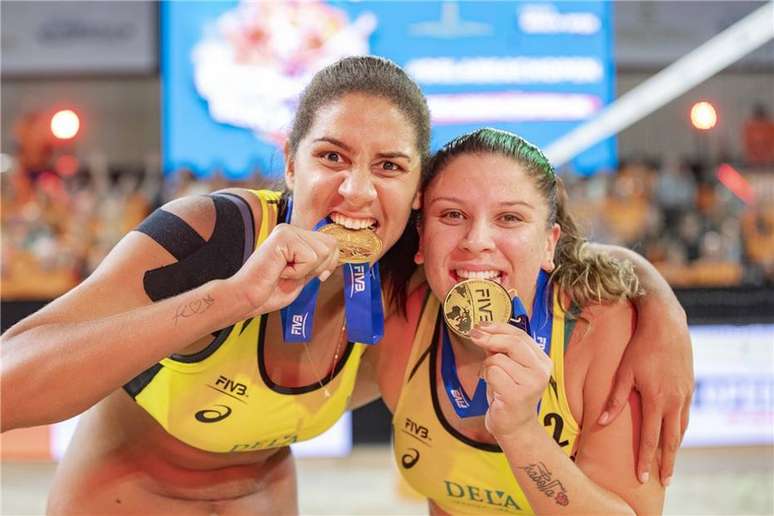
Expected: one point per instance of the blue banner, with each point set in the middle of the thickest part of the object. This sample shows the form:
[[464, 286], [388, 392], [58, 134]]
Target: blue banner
[[232, 71]]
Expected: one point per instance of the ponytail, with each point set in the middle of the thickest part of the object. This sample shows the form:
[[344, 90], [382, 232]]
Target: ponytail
[[584, 275]]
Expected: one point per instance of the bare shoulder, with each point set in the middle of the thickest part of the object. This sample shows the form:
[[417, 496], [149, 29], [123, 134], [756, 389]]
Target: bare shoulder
[[197, 211], [602, 331], [600, 335], [605, 333]]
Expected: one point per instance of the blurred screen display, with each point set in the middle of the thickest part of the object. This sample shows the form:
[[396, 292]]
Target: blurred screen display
[[733, 401], [232, 72]]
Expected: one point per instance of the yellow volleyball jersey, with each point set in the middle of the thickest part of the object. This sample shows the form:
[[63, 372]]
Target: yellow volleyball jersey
[[222, 399], [460, 475]]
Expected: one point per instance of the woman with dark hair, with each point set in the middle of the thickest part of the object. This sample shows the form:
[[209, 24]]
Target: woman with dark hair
[[185, 314], [498, 417]]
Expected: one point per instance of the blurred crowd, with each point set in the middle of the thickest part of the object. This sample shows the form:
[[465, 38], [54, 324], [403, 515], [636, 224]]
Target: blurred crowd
[[56, 228], [701, 225], [57, 225], [699, 230]]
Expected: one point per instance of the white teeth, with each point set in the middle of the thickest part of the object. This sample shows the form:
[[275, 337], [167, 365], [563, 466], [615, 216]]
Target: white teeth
[[351, 223], [492, 275]]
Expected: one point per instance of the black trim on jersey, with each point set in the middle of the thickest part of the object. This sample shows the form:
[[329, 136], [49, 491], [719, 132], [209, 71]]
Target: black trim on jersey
[[436, 405], [245, 324], [329, 376], [422, 358], [139, 382], [247, 219], [211, 348], [172, 233]]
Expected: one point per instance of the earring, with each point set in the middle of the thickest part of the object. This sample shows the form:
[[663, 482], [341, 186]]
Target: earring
[[418, 258]]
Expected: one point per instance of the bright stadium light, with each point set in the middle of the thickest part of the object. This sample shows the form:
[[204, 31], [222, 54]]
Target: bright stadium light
[[65, 124], [704, 116]]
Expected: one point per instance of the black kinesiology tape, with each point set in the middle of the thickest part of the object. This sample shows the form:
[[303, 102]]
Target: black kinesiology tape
[[199, 260]]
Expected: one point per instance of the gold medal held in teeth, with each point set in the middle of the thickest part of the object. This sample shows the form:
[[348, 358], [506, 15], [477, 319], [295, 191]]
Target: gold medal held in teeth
[[474, 300], [355, 245]]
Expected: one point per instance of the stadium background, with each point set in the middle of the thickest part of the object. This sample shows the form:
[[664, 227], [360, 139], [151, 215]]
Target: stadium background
[[156, 122]]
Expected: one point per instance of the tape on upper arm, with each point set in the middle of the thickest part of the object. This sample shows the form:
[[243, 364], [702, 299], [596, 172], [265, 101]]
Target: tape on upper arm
[[199, 260]]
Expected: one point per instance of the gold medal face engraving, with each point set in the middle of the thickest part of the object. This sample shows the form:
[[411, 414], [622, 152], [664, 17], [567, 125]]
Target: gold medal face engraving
[[472, 301], [355, 245]]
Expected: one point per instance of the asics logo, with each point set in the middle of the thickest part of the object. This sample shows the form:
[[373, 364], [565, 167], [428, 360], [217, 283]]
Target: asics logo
[[409, 459], [213, 415]]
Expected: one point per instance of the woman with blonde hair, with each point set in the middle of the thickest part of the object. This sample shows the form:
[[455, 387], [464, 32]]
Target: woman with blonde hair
[[492, 416]]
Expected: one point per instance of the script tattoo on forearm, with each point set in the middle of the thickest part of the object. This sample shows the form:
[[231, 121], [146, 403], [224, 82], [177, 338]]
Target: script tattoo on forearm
[[194, 307], [552, 488]]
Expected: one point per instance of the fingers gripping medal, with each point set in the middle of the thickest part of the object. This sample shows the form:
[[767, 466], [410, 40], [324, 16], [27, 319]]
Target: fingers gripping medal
[[355, 245]]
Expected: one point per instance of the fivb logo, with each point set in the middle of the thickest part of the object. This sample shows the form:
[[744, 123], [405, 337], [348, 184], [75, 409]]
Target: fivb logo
[[298, 324], [541, 341], [459, 399], [357, 278], [484, 303]]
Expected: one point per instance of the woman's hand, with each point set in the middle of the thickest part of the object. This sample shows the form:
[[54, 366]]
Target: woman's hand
[[658, 363], [277, 271], [517, 372]]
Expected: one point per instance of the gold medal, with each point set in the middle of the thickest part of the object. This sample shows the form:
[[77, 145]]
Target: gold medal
[[355, 245], [474, 300]]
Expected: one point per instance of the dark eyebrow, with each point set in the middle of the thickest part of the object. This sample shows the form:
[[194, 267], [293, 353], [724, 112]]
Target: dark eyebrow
[[393, 155], [334, 141], [517, 203], [460, 201], [450, 199], [339, 143]]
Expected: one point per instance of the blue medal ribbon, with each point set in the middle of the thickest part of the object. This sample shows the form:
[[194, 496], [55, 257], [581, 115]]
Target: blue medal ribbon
[[363, 303], [363, 310], [539, 329], [460, 402]]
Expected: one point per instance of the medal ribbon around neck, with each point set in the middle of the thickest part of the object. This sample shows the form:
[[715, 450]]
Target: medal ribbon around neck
[[363, 310], [540, 331]]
